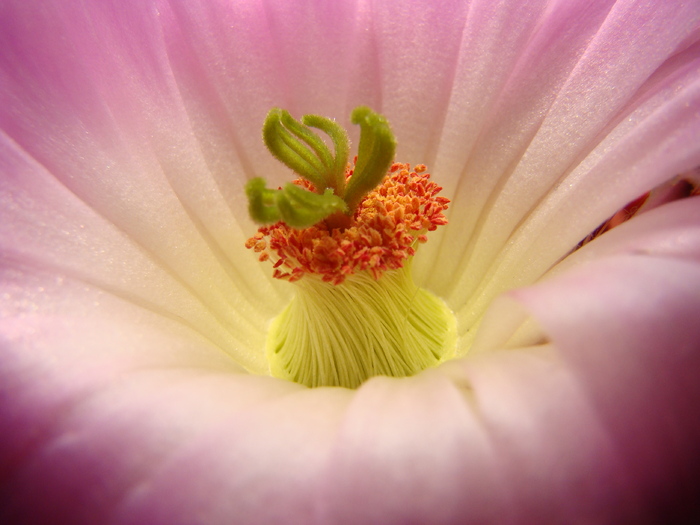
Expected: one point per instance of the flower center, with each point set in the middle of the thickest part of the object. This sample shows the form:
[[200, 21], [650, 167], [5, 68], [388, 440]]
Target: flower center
[[346, 239]]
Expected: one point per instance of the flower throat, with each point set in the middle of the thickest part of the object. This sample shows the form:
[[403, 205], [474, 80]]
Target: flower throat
[[345, 235]]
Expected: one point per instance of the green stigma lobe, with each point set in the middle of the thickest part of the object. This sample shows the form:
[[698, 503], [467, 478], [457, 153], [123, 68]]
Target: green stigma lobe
[[294, 144], [297, 207], [375, 154], [336, 177]]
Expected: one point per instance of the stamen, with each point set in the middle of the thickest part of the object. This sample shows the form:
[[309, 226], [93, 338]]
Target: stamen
[[342, 335], [346, 235], [383, 233]]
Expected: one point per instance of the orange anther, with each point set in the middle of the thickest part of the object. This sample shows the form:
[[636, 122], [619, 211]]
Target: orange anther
[[378, 239]]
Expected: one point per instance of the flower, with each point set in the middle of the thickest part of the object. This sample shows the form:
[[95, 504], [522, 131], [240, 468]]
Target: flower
[[134, 388]]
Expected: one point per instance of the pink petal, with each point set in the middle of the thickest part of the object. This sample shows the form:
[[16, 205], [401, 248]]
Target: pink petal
[[636, 357], [576, 108]]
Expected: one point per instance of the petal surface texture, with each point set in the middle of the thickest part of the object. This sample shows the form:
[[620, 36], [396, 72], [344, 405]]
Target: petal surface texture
[[133, 383]]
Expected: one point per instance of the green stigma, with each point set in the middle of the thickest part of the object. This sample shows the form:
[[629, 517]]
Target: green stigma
[[296, 145]]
